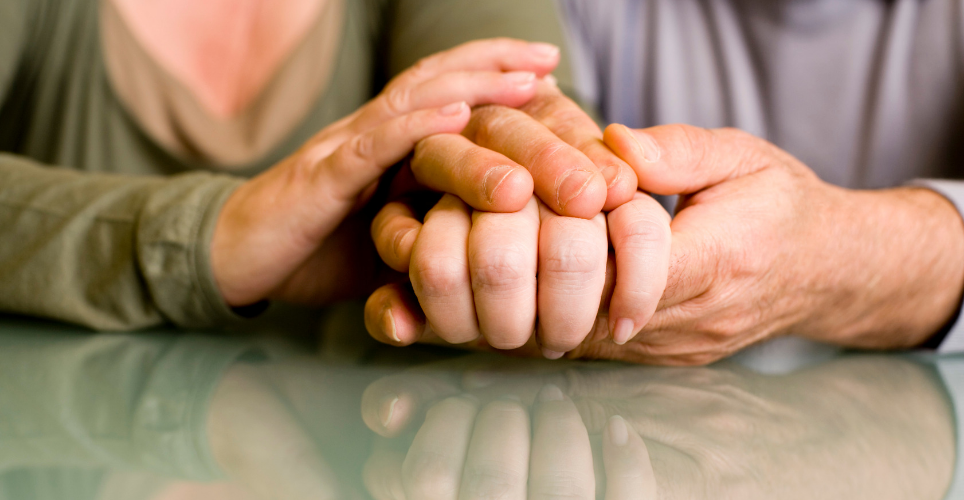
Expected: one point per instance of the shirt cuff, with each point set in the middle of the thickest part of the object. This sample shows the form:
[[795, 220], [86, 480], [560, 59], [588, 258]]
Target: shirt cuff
[[953, 341], [174, 233]]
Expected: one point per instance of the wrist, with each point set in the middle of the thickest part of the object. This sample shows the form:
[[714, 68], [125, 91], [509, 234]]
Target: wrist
[[897, 273]]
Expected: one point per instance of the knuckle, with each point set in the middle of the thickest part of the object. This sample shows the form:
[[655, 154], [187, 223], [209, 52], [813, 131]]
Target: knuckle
[[491, 122], [506, 268], [575, 254], [692, 139], [645, 233], [551, 151], [398, 99], [434, 276], [572, 258], [361, 147]]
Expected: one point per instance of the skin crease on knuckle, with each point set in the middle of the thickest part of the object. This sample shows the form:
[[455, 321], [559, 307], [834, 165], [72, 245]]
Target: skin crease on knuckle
[[489, 123], [502, 268], [434, 276], [573, 253], [398, 100]]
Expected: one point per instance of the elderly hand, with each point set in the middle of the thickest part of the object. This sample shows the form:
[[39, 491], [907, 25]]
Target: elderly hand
[[273, 237], [760, 247]]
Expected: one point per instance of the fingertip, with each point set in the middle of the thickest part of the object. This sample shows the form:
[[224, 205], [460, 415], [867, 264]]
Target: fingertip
[[389, 319], [546, 56], [402, 246], [581, 193], [507, 190], [623, 330], [622, 185]]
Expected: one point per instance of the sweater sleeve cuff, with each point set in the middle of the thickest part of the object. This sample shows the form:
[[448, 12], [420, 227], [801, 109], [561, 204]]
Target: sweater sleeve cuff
[[953, 333], [174, 233]]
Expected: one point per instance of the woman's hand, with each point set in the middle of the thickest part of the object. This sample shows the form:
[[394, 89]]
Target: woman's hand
[[271, 233]]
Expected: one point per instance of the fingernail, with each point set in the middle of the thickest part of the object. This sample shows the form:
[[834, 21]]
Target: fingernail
[[493, 179], [551, 80], [544, 50], [511, 397], [552, 354], [572, 185], [623, 331], [618, 431], [611, 175], [453, 109], [520, 78], [387, 411], [647, 148], [390, 325], [550, 393]]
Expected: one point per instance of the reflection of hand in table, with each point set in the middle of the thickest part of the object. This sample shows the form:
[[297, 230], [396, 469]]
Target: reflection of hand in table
[[466, 449], [852, 428]]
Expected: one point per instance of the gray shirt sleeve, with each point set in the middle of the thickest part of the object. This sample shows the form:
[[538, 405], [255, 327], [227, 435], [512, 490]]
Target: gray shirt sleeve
[[954, 191], [111, 252]]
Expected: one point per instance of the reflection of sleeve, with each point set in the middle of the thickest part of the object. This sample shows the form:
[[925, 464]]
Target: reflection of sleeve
[[114, 401], [953, 341], [423, 27], [109, 251], [952, 372]]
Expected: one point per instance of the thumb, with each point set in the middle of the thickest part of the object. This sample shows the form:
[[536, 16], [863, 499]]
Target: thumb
[[683, 159]]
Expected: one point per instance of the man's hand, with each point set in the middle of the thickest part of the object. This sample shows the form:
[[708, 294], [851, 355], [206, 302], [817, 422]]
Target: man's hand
[[762, 247], [272, 238]]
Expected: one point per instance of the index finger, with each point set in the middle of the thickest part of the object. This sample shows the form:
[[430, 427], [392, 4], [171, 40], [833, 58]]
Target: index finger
[[496, 54], [571, 124], [565, 179]]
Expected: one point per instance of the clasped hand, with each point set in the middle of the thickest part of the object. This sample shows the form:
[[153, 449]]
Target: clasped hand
[[759, 246]]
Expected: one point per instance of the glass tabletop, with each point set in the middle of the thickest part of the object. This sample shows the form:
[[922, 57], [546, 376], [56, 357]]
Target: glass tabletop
[[169, 415]]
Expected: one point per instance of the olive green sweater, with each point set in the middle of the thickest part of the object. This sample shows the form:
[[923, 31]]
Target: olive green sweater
[[101, 226]]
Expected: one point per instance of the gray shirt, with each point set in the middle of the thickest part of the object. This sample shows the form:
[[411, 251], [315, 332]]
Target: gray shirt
[[867, 93]]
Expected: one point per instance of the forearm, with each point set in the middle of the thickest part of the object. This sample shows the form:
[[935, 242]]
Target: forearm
[[108, 252], [899, 274]]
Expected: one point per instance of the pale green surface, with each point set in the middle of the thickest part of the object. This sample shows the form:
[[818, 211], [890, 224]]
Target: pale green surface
[[117, 252], [108, 416]]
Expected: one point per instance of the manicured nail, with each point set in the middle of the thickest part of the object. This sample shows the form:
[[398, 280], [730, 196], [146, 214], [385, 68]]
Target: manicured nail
[[390, 325], [572, 185], [388, 411], [453, 109], [544, 50], [618, 431], [550, 393], [493, 180], [520, 78], [551, 80], [647, 148], [552, 354], [623, 331]]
